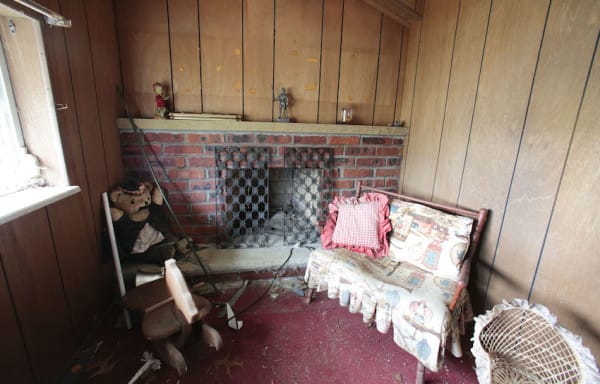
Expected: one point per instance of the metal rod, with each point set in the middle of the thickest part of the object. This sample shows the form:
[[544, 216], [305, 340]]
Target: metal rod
[[115, 253], [51, 17]]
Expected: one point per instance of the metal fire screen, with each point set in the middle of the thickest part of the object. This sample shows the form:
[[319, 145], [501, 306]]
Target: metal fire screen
[[311, 189], [242, 196]]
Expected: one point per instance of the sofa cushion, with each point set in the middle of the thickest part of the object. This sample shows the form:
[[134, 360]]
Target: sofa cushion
[[430, 239], [360, 229], [357, 225], [412, 302]]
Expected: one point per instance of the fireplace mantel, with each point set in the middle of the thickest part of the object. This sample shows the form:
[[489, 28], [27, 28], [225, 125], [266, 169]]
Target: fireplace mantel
[[262, 127]]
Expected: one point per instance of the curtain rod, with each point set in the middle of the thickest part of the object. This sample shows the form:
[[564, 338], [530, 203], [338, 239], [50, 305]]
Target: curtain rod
[[51, 17]]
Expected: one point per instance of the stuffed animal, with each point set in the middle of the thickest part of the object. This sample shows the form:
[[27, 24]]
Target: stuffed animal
[[160, 97], [141, 230]]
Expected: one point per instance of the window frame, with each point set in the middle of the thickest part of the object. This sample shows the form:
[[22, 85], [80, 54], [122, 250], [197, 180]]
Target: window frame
[[34, 103]]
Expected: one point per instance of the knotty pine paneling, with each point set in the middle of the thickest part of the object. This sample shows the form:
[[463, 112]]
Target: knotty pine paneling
[[360, 53], [259, 16], [297, 56], [87, 113], [520, 137], [330, 61], [564, 62], [36, 289], [78, 263], [464, 78], [387, 74], [185, 54], [326, 53], [14, 362], [433, 71], [509, 64], [143, 34], [50, 258], [567, 280], [408, 73], [402, 74], [221, 47], [104, 49]]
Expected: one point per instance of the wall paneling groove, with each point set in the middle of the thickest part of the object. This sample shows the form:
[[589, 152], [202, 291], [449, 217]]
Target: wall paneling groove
[[326, 53], [519, 136]]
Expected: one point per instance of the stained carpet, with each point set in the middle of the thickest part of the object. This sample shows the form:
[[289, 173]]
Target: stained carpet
[[282, 341]]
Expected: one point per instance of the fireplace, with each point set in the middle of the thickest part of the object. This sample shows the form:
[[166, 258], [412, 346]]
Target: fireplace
[[260, 204], [186, 167]]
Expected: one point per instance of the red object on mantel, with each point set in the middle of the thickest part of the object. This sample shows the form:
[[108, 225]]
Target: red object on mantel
[[283, 341]]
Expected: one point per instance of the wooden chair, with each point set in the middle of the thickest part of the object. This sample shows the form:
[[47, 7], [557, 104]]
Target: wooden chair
[[169, 312]]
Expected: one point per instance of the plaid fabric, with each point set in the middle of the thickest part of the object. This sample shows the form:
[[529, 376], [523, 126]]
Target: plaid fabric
[[357, 225], [383, 225]]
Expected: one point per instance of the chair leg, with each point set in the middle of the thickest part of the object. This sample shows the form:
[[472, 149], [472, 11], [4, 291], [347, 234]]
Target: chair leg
[[170, 355], [456, 346], [420, 379], [309, 295], [186, 330]]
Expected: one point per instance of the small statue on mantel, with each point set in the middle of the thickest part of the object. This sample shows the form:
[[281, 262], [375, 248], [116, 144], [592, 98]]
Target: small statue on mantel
[[161, 97], [283, 106]]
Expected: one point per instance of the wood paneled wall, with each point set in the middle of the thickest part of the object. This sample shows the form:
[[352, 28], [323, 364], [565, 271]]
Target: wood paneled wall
[[233, 56], [502, 102], [53, 284]]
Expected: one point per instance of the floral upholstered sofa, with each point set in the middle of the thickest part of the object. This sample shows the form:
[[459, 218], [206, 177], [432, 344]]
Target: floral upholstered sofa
[[403, 263]]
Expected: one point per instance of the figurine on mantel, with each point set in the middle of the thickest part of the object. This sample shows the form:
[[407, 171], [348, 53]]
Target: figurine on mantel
[[162, 112], [283, 106]]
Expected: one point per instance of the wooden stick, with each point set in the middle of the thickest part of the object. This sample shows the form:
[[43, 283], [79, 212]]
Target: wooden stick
[[170, 299]]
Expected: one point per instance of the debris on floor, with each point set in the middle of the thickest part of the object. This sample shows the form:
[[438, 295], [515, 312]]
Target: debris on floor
[[232, 322], [292, 284], [78, 366], [101, 367], [228, 363], [149, 363], [236, 296]]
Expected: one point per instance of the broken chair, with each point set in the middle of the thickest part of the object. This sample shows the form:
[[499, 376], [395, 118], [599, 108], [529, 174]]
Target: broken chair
[[170, 311]]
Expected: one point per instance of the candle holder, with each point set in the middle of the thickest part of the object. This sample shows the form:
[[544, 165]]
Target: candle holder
[[346, 114]]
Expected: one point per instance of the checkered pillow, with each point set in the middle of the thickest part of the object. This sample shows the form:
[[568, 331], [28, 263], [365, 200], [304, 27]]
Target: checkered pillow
[[357, 225], [360, 225]]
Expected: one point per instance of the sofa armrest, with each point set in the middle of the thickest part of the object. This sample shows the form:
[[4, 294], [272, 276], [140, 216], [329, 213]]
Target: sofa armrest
[[463, 279]]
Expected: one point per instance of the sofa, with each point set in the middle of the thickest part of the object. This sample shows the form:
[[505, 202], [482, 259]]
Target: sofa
[[403, 263]]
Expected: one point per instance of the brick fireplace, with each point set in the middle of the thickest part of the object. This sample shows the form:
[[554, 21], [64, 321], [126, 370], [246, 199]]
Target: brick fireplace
[[186, 166]]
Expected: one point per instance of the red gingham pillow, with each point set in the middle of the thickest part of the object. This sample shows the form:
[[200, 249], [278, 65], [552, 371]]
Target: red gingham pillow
[[357, 225], [350, 231]]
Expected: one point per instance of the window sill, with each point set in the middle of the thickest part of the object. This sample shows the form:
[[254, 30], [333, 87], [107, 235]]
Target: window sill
[[21, 203]]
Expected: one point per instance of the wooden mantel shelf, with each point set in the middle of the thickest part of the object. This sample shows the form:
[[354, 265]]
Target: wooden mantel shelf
[[261, 127]]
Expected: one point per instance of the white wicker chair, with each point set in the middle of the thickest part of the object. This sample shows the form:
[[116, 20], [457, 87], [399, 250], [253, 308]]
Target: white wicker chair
[[518, 342]]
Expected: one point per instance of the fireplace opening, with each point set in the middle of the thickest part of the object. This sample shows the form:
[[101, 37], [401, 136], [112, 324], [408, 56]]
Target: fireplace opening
[[260, 205]]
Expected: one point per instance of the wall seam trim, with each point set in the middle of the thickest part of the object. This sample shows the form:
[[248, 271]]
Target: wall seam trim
[[516, 161]]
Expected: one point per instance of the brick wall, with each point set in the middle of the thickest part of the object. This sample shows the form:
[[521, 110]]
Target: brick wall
[[185, 166]]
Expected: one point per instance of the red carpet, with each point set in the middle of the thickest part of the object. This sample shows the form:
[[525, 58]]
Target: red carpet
[[283, 341]]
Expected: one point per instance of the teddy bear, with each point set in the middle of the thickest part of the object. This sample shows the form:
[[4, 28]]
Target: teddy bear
[[141, 229]]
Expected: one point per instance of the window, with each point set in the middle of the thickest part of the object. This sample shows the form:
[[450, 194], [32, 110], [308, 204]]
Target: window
[[18, 169], [31, 153]]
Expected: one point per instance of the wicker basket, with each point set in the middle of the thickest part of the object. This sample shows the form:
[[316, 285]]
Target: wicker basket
[[522, 343]]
